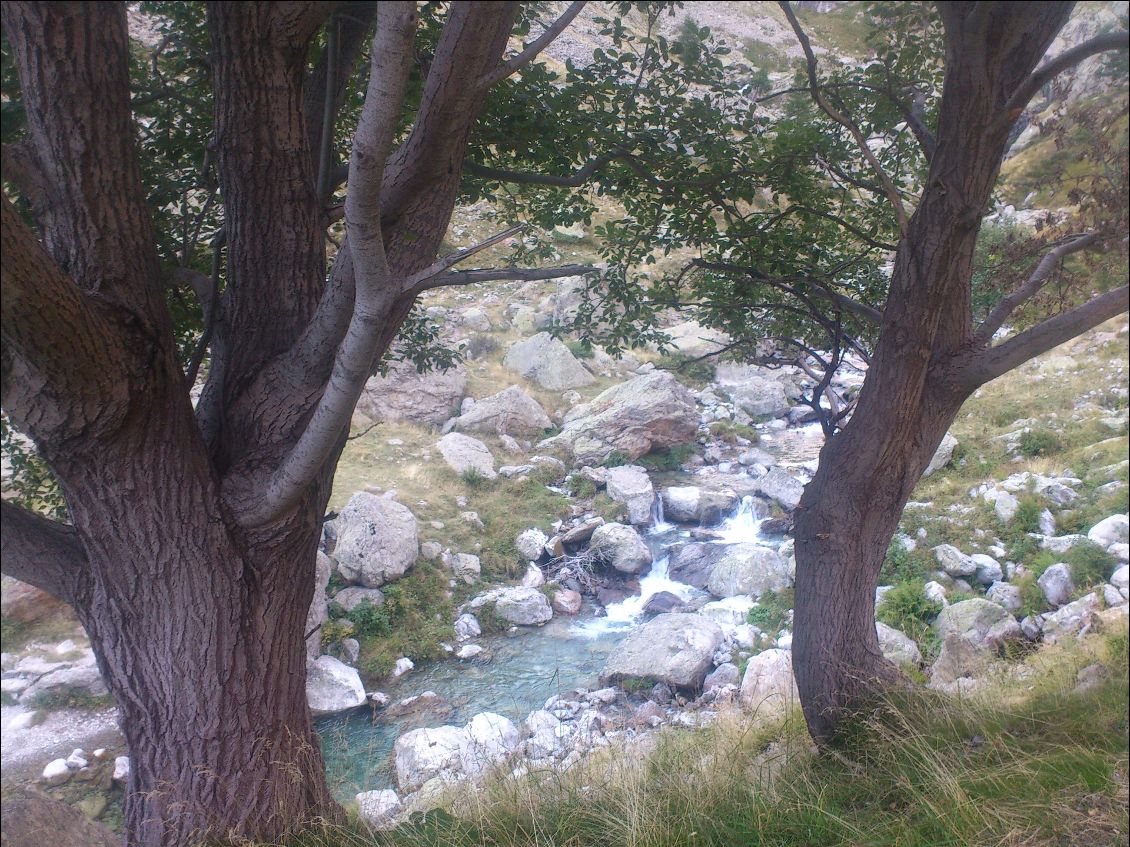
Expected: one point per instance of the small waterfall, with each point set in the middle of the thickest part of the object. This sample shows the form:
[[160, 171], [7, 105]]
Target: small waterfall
[[658, 523], [743, 525], [627, 612]]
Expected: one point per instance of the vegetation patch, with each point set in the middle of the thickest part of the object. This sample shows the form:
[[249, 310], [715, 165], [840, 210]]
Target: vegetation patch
[[907, 608]]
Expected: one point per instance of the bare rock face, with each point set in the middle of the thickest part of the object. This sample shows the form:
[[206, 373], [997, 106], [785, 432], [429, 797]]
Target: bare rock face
[[768, 687], [545, 360], [622, 547], [646, 413], [630, 485], [27, 604], [377, 540], [463, 453], [748, 569], [405, 395], [676, 649], [509, 412]]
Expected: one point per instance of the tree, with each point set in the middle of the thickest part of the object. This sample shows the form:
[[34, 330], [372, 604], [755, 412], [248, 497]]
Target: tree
[[189, 553], [788, 233]]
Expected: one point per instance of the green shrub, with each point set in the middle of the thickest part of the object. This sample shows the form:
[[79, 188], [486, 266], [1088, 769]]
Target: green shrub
[[581, 488], [370, 620], [473, 478], [729, 432], [670, 459], [580, 349], [616, 459], [1028, 512], [1039, 442], [1032, 599], [907, 608], [771, 614], [1090, 564], [697, 373], [902, 565]]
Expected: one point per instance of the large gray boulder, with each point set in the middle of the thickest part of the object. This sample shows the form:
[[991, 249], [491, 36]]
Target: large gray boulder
[[317, 614], [621, 547], [405, 395], [942, 456], [509, 412], [748, 569], [781, 486], [693, 339], [545, 360], [490, 739], [332, 686], [981, 622], [768, 687], [897, 647], [630, 485], [378, 808], [353, 596], [1072, 619], [517, 605], [1057, 585], [689, 504], [675, 649], [694, 562], [1112, 530], [421, 754], [760, 397], [377, 540], [954, 562], [646, 413], [464, 453]]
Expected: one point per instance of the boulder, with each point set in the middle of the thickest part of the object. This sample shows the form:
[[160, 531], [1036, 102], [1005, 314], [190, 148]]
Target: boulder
[[82, 677], [533, 577], [988, 569], [377, 540], [546, 734], [748, 569], [378, 808], [781, 486], [509, 412], [464, 453], [516, 605], [1112, 530], [630, 485], [41, 820], [981, 622], [725, 674], [566, 601], [1072, 619], [693, 339], [897, 647], [26, 604], [545, 360], [1120, 579], [690, 504], [317, 614], [467, 626], [675, 649], [954, 562], [352, 597], [693, 563], [760, 397], [942, 456], [490, 739], [1057, 585], [531, 544], [421, 754], [768, 687], [621, 547], [958, 658], [332, 686], [663, 601], [649, 412], [1005, 594], [464, 566], [403, 394]]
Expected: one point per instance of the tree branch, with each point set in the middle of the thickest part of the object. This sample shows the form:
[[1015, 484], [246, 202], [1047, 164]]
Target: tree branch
[[375, 292], [1032, 285], [41, 552], [531, 50], [469, 277], [999, 360], [575, 180], [1069, 58], [64, 359], [19, 166], [452, 259], [889, 187]]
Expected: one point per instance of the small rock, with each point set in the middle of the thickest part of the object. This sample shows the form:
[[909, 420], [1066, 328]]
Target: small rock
[[1057, 584], [56, 772]]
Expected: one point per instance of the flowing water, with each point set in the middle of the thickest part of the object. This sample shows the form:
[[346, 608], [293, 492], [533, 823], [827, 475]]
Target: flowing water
[[517, 673]]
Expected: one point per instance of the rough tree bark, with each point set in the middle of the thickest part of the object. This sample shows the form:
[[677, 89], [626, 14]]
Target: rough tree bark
[[929, 358], [194, 531]]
